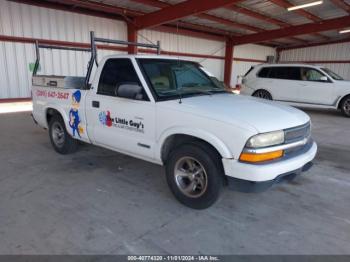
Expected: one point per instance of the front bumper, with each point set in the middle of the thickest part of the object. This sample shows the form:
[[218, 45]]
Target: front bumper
[[256, 187], [268, 171]]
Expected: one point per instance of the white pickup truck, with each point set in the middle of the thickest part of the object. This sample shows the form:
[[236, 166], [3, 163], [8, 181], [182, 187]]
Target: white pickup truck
[[173, 112]]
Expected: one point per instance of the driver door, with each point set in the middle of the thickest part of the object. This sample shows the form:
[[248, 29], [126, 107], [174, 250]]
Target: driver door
[[316, 88], [124, 124]]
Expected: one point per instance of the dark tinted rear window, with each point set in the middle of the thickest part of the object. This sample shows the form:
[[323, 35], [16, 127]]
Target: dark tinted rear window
[[294, 73], [287, 73], [264, 72]]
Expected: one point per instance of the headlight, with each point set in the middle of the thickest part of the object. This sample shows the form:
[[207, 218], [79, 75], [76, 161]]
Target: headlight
[[266, 139]]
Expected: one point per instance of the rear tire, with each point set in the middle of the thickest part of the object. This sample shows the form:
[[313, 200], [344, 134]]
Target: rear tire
[[195, 175], [61, 141], [345, 106], [263, 94]]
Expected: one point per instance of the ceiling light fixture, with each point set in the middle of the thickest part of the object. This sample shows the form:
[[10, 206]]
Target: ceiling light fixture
[[292, 8], [344, 31]]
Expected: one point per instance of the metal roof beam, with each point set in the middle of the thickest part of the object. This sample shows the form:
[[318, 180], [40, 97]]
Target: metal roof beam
[[132, 13], [100, 7], [154, 3], [159, 4], [230, 23], [204, 29], [256, 15], [262, 17], [113, 12], [178, 11], [342, 4], [325, 25], [285, 4], [189, 32], [337, 41], [242, 10], [71, 8]]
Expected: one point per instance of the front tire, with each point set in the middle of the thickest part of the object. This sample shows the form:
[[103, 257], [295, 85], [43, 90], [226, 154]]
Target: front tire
[[345, 106], [263, 94], [61, 141], [194, 175]]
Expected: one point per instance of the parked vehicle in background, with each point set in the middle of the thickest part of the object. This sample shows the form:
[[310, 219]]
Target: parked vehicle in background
[[298, 85], [171, 112]]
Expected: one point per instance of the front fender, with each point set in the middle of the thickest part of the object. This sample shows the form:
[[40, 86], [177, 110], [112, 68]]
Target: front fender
[[217, 143]]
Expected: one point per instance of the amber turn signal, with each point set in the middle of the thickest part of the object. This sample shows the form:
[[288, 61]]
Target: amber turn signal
[[254, 158]]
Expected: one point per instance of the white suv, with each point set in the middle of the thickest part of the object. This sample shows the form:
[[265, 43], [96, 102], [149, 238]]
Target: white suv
[[298, 85]]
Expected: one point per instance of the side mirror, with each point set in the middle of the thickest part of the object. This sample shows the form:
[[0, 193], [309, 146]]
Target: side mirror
[[324, 79], [131, 91]]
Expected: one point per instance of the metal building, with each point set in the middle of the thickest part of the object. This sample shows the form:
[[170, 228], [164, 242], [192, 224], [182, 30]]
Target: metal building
[[254, 28]]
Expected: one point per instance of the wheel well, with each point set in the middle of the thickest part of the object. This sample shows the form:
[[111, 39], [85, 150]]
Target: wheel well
[[179, 139], [341, 101], [50, 112]]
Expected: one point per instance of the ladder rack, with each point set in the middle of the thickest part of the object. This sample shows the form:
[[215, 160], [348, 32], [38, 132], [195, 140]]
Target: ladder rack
[[92, 50]]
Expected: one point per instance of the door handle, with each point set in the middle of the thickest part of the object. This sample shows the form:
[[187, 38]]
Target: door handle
[[96, 104]]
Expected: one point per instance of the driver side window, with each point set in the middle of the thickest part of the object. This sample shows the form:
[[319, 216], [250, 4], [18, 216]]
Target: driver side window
[[117, 72], [310, 74]]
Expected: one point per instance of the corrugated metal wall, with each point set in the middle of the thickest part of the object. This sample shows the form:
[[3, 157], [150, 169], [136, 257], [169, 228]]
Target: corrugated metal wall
[[172, 42], [249, 51], [185, 44], [333, 52], [35, 22]]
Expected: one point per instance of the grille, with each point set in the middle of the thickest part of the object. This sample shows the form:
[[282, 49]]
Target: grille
[[297, 133]]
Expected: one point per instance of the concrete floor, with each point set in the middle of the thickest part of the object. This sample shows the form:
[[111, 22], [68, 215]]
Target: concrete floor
[[100, 202]]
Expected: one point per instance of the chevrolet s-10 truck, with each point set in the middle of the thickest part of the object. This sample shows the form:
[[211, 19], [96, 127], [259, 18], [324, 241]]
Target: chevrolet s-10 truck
[[174, 113]]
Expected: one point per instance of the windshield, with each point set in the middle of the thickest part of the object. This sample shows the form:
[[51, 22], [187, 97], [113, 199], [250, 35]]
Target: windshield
[[332, 74], [171, 79]]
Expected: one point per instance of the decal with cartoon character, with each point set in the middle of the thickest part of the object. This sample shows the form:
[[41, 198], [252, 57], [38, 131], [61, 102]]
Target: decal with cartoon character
[[74, 119]]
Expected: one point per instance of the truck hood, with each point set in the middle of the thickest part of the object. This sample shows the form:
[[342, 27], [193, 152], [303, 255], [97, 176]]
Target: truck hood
[[244, 111]]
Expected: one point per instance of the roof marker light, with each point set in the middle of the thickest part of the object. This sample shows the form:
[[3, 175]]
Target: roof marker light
[[292, 8]]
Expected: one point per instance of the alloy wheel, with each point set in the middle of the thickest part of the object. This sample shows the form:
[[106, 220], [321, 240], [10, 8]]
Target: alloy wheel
[[191, 177], [346, 106], [58, 134], [263, 94]]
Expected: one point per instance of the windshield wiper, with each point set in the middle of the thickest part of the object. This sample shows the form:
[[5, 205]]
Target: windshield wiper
[[205, 92], [218, 91], [180, 93], [190, 85], [209, 92]]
